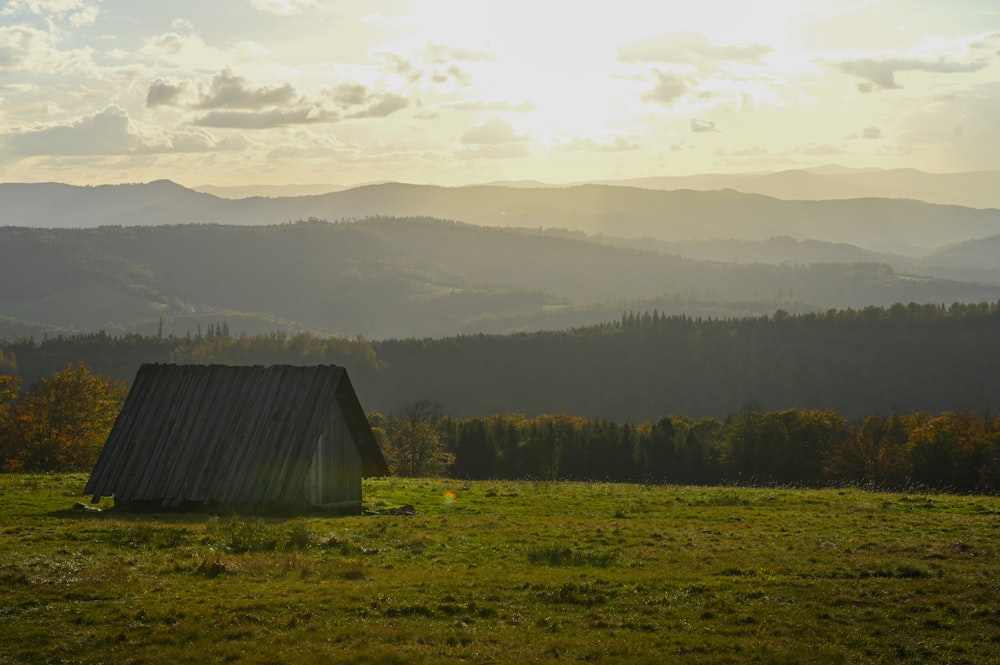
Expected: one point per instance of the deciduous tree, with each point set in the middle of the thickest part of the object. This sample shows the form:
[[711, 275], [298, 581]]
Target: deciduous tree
[[416, 446], [62, 423]]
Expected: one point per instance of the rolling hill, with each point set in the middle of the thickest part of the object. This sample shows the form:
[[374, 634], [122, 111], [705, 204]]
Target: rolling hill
[[408, 277]]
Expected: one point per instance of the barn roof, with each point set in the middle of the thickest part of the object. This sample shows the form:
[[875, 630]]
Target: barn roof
[[226, 434]]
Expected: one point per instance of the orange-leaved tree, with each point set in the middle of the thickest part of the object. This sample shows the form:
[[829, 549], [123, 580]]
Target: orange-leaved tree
[[62, 422]]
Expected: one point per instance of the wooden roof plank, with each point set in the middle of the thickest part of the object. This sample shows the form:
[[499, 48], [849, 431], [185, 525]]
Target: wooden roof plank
[[226, 434]]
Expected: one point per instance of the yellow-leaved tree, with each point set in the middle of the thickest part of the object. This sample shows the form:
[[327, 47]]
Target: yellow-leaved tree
[[62, 422]]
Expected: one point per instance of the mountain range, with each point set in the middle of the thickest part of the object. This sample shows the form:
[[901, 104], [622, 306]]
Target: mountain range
[[974, 189], [399, 260], [385, 277], [904, 226]]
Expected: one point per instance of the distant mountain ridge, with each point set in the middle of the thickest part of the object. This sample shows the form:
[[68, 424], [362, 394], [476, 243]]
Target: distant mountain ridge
[[899, 225], [974, 189]]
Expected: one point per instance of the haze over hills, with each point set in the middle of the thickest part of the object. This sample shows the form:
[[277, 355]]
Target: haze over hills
[[903, 226], [518, 258], [973, 189], [407, 277]]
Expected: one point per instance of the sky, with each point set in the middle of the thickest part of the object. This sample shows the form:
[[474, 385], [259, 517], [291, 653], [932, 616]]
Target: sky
[[452, 92]]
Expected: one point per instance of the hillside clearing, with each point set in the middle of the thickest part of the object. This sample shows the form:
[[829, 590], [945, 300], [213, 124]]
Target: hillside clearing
[[502, 571]]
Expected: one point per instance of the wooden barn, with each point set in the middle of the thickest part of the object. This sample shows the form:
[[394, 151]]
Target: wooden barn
[[250, 438]]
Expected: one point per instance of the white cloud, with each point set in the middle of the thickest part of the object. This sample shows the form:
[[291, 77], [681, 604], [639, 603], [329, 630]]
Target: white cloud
[[688, 48], [480, 105], [441, 54], [283, 7], [182, 50], [18, 43], [79, 13], [109, 131], [496, 130]]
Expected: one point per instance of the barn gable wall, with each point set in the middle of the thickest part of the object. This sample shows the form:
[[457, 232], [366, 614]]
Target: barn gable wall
[[248, 436]]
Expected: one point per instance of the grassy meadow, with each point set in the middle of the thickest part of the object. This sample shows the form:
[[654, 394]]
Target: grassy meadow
[[501, 571]]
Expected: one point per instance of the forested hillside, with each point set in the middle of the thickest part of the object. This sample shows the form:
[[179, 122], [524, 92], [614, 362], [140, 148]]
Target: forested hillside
[[415, 277], [641, 367]]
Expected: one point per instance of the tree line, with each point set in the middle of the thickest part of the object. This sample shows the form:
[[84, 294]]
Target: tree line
[[915, 357], [954, 451], [61, 424], [837, 396]]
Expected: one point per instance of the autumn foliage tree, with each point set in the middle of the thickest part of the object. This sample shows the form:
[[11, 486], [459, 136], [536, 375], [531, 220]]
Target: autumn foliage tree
[[416, 441], [874, 452], [62, 423]]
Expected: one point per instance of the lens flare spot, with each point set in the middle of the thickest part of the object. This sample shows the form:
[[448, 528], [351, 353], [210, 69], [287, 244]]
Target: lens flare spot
[[449, 497]]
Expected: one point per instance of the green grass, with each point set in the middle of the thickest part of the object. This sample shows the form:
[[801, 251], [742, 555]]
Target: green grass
[[525, 572]]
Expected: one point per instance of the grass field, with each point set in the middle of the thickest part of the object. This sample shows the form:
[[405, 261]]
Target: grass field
[[525, 572]]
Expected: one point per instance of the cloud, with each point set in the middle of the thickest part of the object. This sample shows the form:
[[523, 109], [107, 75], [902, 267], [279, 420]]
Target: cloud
[[669, 88], [523, 107], [618, 144], [349, 94], [109, 131], [451, 73], [752, 151], [387, 105], [164, 93], [19, 44], [494, 131], [939, 56], [230, 91], [79, 13], [268, 119], [880, 73], [352, 94], [400, 65], [870, 133], [699, 126], [283, 7], [440, 54], [688, 48], [174, 50]]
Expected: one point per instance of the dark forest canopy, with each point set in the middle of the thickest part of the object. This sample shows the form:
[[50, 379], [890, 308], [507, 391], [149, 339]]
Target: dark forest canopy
[[642, 367]]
